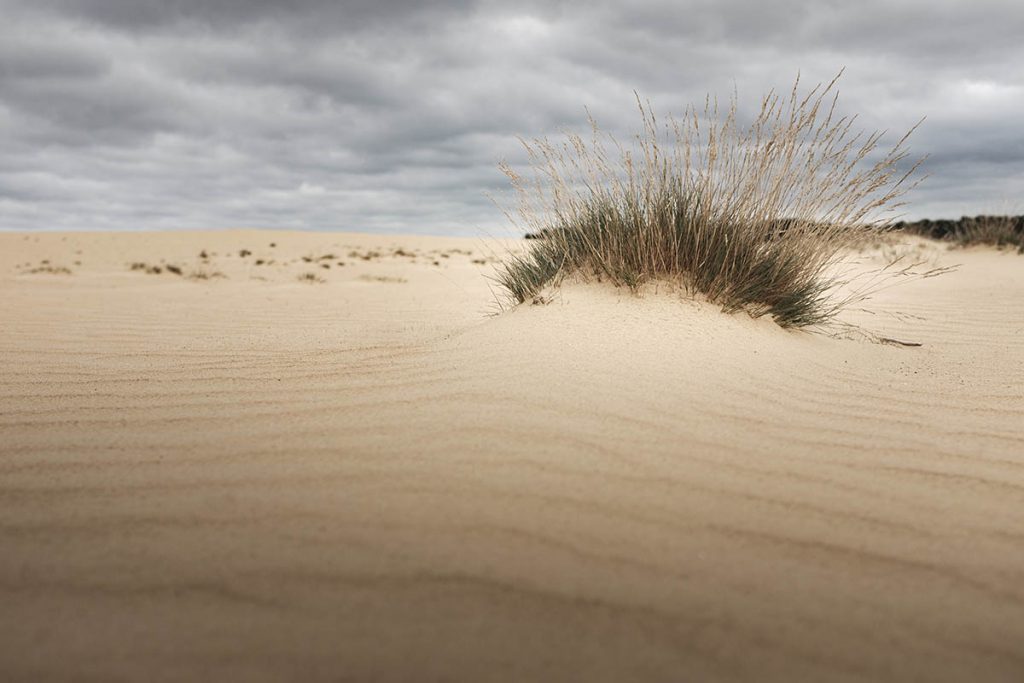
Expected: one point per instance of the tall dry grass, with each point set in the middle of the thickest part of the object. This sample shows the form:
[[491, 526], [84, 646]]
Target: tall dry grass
[[751, 217]]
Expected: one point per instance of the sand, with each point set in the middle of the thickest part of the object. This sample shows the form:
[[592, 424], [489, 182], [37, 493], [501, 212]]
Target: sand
[[369, 477]]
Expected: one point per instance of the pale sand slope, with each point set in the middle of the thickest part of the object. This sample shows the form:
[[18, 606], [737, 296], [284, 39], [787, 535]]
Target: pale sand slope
[[242, 479]]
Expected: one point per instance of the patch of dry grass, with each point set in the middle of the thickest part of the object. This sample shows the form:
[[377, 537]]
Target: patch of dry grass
[[201, 274], [752, 217], [48, 269], [368, 255], [382, 278], [147, 268]]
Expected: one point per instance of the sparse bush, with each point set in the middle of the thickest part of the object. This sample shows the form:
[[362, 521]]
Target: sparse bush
[[752, 218], [201, 274], [382, 278], [52, 270]]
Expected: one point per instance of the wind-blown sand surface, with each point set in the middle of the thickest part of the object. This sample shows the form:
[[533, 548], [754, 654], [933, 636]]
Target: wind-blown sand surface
[[252, 477]]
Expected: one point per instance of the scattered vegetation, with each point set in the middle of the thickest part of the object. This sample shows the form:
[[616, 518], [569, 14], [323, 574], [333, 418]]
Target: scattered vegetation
[[382, 278], [49, 269], [995, 231], [156, 270], [366, 256], [311, 278], [309, 258], [206, 275], [753, 218], [145, 267]]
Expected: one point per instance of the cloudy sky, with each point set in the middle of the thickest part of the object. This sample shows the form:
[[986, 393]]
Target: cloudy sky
[[392, 115]]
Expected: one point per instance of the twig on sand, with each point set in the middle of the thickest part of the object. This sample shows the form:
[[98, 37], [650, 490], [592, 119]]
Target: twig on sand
[[897, 342]]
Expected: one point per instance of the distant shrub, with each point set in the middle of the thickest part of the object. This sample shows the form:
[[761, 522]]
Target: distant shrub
[[752, 217], [994, 231], [201, 274]]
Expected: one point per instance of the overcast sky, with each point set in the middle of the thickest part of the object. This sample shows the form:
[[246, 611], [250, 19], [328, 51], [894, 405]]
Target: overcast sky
[[391, 116]]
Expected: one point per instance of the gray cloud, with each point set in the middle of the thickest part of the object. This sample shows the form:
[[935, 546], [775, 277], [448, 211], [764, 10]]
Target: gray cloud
[[392, 116]]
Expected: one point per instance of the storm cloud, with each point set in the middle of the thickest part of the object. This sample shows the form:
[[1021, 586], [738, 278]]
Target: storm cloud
[[392, 116]]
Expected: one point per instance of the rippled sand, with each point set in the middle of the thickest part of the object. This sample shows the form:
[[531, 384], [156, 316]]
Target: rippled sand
[[360, 475]]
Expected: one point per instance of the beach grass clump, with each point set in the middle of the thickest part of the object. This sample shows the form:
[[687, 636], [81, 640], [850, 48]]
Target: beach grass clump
[[751, 217]]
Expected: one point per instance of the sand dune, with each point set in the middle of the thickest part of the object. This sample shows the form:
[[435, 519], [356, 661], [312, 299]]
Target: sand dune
[[361, 475]]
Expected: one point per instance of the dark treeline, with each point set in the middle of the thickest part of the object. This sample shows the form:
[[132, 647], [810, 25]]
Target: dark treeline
[[951, 229], [999, 231]]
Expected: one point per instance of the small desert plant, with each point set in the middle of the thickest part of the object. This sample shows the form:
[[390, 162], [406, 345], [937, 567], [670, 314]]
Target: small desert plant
[[310, 278], [201, 274], [366, 256], [752, 218], [382, 278], [52, 270]]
